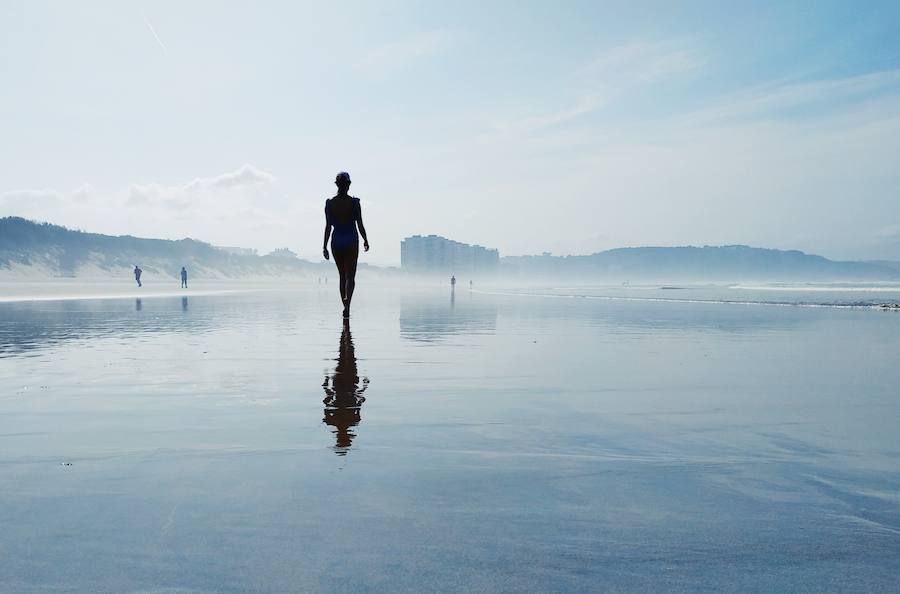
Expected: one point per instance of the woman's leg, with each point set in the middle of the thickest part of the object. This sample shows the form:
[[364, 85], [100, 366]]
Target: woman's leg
[[340, 257], [350, 270]]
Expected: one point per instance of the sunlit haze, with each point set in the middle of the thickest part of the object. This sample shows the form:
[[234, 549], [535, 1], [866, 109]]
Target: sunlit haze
[[527, 127]]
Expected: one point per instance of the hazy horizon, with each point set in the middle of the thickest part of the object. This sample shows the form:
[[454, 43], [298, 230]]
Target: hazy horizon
[[528, 129], [536, 253]]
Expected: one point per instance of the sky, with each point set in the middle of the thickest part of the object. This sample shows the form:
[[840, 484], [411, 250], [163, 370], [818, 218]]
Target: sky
[[567, 127]]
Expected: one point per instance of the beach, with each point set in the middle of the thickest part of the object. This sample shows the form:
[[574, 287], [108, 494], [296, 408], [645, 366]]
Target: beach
[[565, 439]]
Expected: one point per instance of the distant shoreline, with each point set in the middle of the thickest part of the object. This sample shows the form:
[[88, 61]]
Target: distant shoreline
[[72, 289], [881, 306]]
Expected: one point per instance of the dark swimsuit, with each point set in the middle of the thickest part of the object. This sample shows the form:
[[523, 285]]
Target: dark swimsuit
[[343, 234]]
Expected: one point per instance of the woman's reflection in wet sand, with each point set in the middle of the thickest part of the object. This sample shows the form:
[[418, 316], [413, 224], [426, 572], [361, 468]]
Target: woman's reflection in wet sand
[[343, 394]]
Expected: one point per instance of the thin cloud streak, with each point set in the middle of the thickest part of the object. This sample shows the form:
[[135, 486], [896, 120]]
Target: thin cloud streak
[[639, 61], [609, 76], [155, 36], [780, 96]]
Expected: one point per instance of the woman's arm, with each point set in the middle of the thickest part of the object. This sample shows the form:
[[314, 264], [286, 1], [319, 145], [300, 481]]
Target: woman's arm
[[327, 233], [362, 228]]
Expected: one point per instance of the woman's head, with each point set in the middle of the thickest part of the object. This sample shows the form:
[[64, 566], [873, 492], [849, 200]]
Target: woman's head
[[342, 181]]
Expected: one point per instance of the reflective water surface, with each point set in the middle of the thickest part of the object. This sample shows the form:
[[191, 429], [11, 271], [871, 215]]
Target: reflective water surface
[[473, 442]]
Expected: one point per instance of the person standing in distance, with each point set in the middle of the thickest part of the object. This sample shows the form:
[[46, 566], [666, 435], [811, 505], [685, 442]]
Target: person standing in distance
[[343, 215], [183, 277]]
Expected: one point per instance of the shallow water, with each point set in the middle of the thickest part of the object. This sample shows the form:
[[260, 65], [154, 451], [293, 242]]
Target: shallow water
[[485, 442]]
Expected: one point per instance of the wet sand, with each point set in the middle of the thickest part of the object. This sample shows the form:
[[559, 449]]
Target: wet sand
[[75, 289], [249, 442]]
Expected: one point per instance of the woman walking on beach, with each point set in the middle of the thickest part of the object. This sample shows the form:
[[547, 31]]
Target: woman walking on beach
[[344, 214]]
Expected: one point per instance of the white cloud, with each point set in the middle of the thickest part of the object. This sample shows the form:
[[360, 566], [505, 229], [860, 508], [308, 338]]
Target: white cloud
[[83, 193], [245, 175], [180, 196], [233, 208], [142, 194]]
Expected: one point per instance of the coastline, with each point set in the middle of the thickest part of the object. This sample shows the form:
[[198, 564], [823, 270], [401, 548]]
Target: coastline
[[95, 289]]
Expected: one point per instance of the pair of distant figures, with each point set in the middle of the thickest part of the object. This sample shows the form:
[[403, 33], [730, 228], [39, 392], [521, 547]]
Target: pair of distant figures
[[138, 272], [453, 282]]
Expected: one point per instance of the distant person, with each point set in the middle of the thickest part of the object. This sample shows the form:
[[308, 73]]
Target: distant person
[[344, 214], [453, 282], [470, 285], [183, 277], [137, 275]]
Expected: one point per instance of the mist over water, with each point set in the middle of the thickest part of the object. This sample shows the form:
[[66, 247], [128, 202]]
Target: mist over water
[[561, 439]]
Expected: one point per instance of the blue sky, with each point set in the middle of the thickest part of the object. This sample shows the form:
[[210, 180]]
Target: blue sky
[[566, 127]]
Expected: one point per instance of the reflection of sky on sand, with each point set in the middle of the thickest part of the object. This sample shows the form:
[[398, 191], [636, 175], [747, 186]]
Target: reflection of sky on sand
[[509, 444], [433, 319], [29, 325]]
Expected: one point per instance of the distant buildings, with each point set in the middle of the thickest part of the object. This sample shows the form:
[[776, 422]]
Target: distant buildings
[[436, 254], [237, 251], [281, 253]]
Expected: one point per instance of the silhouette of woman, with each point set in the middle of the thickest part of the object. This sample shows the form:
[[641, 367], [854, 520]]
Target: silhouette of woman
[[343, 395], [344, 214]]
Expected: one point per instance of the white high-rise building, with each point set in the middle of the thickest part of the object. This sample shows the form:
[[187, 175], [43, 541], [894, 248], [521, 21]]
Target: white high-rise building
[[435, 254]]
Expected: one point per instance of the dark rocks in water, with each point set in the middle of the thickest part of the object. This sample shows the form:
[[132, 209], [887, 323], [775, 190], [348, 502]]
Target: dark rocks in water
[[891, 306]]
